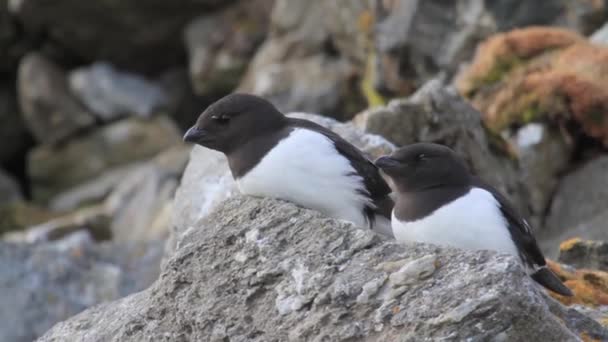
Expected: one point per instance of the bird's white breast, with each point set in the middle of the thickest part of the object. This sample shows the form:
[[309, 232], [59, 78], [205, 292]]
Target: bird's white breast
[[305, 168], [473, 221]]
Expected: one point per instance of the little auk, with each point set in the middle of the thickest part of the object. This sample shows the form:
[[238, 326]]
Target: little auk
[[271, 155], [439, 201]]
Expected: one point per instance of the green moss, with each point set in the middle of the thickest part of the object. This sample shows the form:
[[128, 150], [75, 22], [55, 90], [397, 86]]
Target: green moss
[[502, 67]]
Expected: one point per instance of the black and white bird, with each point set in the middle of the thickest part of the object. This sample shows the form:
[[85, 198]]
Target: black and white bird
[[439, 201], [271, 155]]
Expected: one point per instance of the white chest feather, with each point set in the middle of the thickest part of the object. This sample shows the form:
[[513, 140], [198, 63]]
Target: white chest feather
[[473, 221], [305, 168]]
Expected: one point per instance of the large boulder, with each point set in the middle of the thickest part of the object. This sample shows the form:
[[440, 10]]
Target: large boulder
[[579, 206], [584, 254], [207, 180], [53, 169], [142, 35], [267, 270], [41, 285], [50, 112], [110, 93]]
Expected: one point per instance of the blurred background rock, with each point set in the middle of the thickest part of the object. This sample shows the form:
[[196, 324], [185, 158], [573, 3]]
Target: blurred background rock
[[95, 96]]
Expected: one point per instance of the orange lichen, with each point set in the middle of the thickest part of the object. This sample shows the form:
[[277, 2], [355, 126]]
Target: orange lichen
[[557, 75], [590, 287], [569, 244]]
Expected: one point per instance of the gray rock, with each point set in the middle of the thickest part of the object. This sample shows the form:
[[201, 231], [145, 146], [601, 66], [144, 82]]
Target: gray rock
[[207, 180], [49, 110], [579, 208], [41, 285], [111, 93], [9, 190], [220, 45], [438, 114], [133, 34], [543, 156], [140, 205], [265, 270], [54, 169], [299, 69], [600, 36], [13, 132], [585, 254], [416, 39]]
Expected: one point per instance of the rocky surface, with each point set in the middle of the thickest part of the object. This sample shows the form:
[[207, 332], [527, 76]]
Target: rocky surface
[[53, 169], [207, 180], [142, 36], [438, 114], [584, 254], [268, 270], [578, 208], [44, 284], [12, 128], [49, 110], [110, 93]]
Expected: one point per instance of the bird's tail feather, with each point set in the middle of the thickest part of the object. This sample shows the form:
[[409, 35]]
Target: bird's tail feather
[[548, 279]]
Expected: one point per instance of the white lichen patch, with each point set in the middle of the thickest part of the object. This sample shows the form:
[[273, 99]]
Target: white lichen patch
[[241, 257], [370, 289], [299, 274], [529, 135], [289, 304]]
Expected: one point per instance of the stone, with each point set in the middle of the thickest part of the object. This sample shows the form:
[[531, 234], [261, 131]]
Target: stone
[[414, 40], [130, 34], [437, 114], [19, 215], [584, 254], [600, 36], [111, 93], [12, 128], [207, 180], [140, 205], [49, 110], [578, 208], [300, 68], [543, 155], [47, 283], [267, 270], [588, 287], [12, 46], [220, 45], [9, 189], [54, 169]]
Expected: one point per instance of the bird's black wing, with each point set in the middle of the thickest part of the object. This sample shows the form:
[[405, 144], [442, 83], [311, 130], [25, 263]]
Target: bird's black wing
[[526, 244], [375, 185]]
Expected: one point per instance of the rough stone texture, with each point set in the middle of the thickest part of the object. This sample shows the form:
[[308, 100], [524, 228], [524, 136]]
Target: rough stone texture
[[49, 110], [438, 114], [207, 180], [41, 285], [265, 270], [220, 45], [19, 215], [9, 190], [300, 68], [579, 206], [588, 287], [13, 133], [584, 254], [53, 169], [111, 93], [142, 35], [140, 205]]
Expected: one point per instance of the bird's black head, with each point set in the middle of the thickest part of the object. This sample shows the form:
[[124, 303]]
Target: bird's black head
[[233, 121], [422, 166]]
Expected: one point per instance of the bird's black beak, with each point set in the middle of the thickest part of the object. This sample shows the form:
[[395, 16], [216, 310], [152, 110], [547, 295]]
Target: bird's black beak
[[386, 162], [194, 135]]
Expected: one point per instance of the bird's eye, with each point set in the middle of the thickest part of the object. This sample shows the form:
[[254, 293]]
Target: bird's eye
[[221, 119]]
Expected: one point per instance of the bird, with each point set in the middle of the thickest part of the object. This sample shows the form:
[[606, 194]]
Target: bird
[[272, 155], [439, 201]]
